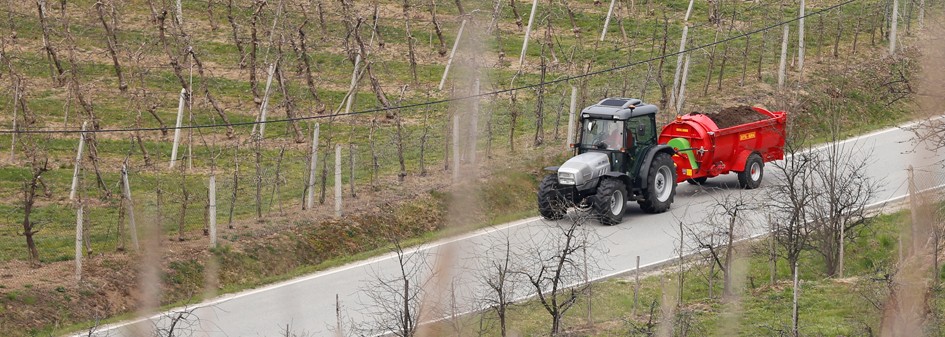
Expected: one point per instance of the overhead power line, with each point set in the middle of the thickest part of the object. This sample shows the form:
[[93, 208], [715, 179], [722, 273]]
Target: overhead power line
[[441, 101]]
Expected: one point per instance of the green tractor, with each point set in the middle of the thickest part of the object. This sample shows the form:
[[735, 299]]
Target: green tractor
[[617, 159]]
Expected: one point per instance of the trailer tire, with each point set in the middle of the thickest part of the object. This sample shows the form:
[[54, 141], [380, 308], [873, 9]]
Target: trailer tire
[[551, 203], [611, 201], [661, 185], [750, 177]]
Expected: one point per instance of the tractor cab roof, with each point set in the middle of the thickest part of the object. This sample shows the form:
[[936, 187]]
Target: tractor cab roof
[[618, 108]]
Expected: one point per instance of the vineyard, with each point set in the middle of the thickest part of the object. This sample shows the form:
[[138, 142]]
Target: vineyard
[[207, 127]]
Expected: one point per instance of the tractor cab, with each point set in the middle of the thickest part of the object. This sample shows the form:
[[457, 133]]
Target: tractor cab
[[621, 128]]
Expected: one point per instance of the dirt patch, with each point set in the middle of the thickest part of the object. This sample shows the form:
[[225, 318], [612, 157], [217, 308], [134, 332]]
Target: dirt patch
[[729, 117]]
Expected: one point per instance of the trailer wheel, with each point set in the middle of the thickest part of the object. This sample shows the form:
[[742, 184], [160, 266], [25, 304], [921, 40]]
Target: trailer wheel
[[750, 178], [551, 204], [661, 185], [611, 201], [697, 181]]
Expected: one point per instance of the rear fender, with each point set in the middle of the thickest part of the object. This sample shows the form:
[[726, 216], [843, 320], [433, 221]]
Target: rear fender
[[648, 159], [741, 160]]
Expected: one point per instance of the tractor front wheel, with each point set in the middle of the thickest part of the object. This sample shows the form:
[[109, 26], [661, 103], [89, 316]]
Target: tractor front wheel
[[551, 202], [611, 201], [750, 178], [660, 185]]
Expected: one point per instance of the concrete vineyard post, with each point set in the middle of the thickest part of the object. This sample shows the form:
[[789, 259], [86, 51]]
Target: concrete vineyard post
[[16, 98], [610, 12], [528, 31], [78, 162], [456, 153], [338, 186], [893, 26], [129, 206], [572, 112], [784, 44], [78, 243], [180, 117], [474, 125], [681, 100], [352, 150], [212, 210], [310, 196], [800, 42], [265, 104], [449, 61], [680, 54], [354, 83]]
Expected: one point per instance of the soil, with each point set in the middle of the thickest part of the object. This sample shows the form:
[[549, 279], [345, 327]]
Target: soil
[[729, 117]]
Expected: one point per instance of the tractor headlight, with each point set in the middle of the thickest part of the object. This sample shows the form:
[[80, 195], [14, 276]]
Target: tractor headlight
[[565, 178]]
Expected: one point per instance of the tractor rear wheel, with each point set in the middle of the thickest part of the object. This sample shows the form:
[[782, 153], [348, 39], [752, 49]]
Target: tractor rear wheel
[[660, 185], [611, 201], [750, 178], [551, 203]]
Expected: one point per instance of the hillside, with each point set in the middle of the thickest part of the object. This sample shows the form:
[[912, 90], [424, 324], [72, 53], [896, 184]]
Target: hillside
[[120, 67]]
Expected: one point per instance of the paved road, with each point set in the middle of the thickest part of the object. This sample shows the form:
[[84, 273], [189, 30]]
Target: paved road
[[307, 304]]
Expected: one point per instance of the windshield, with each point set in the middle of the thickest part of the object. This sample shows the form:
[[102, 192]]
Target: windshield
[[602, 134]]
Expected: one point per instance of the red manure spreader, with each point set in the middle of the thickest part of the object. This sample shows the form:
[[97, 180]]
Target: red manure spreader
[[619, 156]]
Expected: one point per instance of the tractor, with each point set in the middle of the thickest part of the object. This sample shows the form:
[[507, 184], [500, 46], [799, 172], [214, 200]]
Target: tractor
[[617, 159]]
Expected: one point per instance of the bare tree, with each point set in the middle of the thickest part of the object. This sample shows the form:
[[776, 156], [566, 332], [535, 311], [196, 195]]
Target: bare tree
[[397, 298], [498, 275], [841, 206], [441, 49], [725, 221], [29, 199], [112, 39], [56, 69], [409, 36], [556, 262], [236, 37], [790, 196]]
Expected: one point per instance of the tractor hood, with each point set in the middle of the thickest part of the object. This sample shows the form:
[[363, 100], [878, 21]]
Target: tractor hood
[[583, 168]]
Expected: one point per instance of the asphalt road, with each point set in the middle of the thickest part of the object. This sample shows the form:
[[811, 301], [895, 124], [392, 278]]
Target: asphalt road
[[307, 305]]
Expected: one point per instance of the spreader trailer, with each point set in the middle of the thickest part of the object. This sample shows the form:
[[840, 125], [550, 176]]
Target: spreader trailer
[[619, 157]]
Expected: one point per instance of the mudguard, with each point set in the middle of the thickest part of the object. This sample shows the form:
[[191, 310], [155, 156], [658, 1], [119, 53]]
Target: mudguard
[[741, 160], [648, 159], [552, 168], [618, 175]]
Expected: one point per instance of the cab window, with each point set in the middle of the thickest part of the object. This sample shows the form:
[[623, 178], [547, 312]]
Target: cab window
[[642, 130]]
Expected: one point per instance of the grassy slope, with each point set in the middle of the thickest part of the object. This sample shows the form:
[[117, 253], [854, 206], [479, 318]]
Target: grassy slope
[[230, 85]]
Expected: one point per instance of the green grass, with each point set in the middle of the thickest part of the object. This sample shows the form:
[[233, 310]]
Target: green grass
[[827, 307]]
